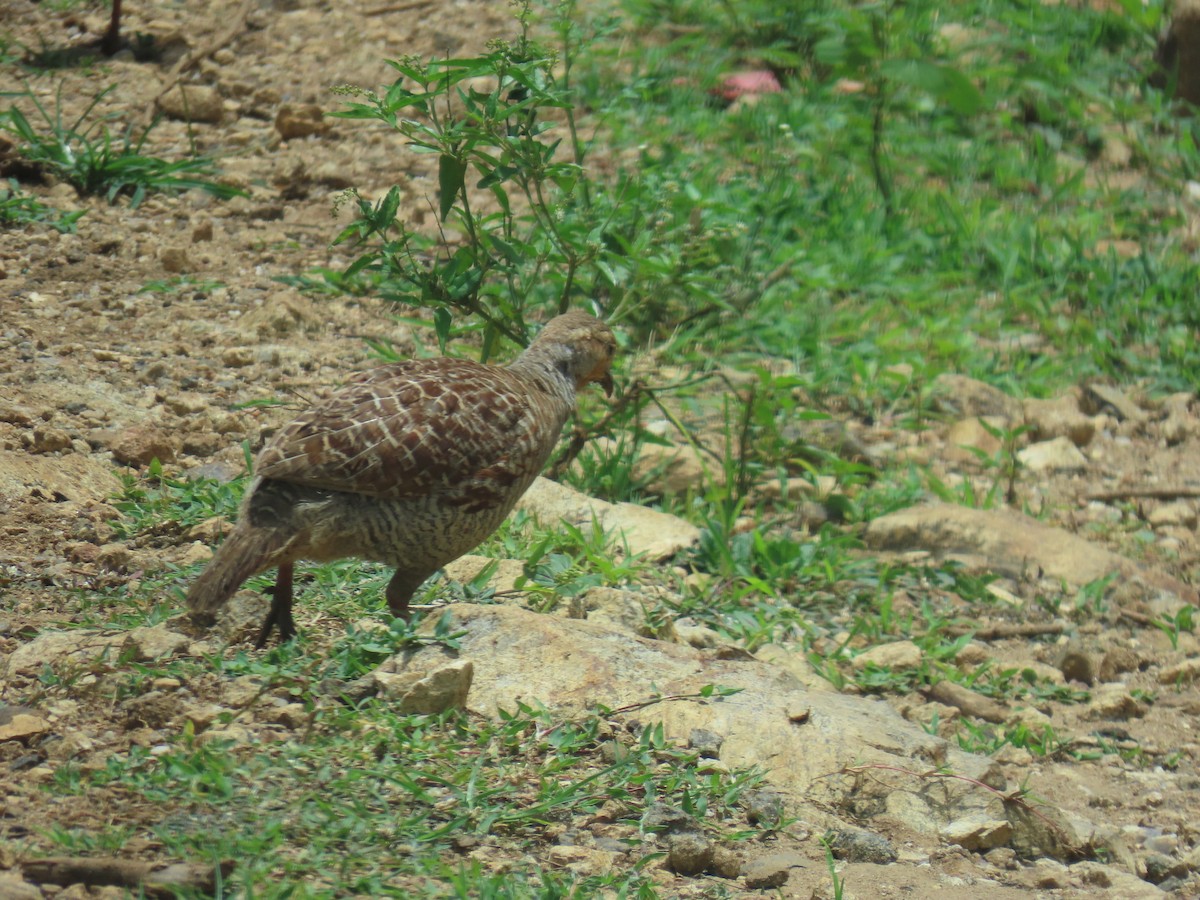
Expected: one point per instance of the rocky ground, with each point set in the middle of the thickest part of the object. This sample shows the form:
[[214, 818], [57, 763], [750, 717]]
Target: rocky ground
[[138, 338]]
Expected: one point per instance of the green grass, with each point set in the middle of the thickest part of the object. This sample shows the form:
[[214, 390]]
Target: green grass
[[375, 803], [88, 155], [18, 209]]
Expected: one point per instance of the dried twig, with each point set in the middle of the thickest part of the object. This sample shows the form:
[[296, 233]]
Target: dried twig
[[398, 7], [580, 436], [156, 879], [1006, 630], [1137, 617], [967, 701], [1167, 492]]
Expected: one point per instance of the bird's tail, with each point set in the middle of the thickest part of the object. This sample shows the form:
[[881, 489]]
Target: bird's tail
[[247, 551]]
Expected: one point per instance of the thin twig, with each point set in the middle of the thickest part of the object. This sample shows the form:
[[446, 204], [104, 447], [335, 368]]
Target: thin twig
[[654, 701], [1136, 617], [580, 436], [398, 7], [1152, 493], [155, 879], [999, 632]]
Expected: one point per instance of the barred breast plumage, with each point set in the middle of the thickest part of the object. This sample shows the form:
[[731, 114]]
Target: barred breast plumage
[[411, 464]]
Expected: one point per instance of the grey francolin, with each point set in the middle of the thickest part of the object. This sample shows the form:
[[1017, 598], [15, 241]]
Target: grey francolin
[[412, 465]]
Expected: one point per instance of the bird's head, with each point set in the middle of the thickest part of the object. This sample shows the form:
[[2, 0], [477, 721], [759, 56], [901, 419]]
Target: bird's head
[[580, 346]]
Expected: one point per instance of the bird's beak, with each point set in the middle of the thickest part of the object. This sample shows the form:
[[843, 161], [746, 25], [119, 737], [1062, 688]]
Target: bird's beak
[[606, 381]]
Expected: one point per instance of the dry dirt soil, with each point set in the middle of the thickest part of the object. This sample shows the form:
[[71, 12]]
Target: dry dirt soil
[[99, 375]]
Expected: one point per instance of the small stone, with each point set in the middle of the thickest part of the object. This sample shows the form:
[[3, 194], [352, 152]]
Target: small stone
[[897, 655], [669, 470], [284, 313], [726, 862], [705, 743], [428, 693], [770, 872], [699, 636], [203, 715], [203, 232], [1158, 867], [14, 888], [585, 862], [664, 819], [174, 260], [46, 439], [1180, 423], [139, 445], [1179, 514], [1180, 673], [1117, 661], [764, 807], [689, 853], [22, 726], [152, 710], [156, 641], [295, 120], [1058, 455], [963, 396], [1033, 719], [193, 103], [14, 414], [969, 435], [1050, 874], [232, 733], [972, 654], [195, 553], [1113, 702], [1002, 857], [859, 845], [237, 357], [1078, 664], [290, 715], [978, 834], [114, 557], [1060, 417]]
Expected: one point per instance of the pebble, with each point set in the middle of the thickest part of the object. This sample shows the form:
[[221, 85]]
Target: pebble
[[689, 853]]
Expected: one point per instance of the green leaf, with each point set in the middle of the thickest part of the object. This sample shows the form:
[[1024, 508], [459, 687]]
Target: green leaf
[[945, 83], [441, 326], [451, 175]]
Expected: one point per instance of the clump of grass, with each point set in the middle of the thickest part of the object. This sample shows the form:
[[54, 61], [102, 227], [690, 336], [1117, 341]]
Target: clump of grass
[[18, 209], [97, 161], [158, 504]]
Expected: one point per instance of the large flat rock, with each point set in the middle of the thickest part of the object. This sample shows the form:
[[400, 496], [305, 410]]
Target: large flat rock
[[648, 532], [804, 740], [1011, 544]]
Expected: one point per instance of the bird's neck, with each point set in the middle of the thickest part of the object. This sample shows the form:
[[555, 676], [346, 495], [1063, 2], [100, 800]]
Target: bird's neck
[[551, 373]]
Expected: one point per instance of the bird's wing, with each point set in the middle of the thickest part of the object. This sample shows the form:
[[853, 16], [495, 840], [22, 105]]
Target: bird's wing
[[407, 429]]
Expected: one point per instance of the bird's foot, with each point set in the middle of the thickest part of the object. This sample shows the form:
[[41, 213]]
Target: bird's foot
[[280, 615]]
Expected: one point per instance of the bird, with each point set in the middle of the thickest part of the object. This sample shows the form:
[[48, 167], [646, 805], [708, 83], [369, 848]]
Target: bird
[[410, 464]]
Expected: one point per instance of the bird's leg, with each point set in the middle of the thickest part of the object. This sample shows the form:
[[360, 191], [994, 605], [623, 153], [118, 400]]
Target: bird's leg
[[280, 615], [399, 591]]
